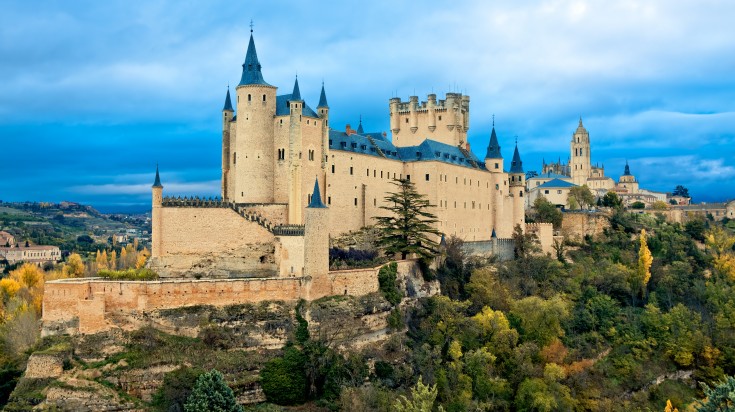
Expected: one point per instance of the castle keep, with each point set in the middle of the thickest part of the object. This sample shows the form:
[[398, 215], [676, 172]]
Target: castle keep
[[275, 147]]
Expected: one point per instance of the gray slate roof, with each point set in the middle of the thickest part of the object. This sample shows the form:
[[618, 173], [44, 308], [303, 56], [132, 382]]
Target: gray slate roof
[[251, 68], [283, 108]]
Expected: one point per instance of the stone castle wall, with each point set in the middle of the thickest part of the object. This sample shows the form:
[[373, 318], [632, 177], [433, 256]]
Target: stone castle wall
[[213, 242], [91, 305], [577, 225], [545, 234]]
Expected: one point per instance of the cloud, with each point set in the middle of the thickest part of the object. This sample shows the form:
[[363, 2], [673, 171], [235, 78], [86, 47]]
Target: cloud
[[207, 188]]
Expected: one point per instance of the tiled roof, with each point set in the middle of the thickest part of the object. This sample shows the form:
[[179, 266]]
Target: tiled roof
[[427, 150], [516, 165], [228, 102], [316, 197], [283, 109], [157, 182], [556, 183], [322, 99], [550, 175]]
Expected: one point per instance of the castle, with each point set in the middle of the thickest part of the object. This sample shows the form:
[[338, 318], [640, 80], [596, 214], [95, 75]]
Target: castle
[[275, 147]]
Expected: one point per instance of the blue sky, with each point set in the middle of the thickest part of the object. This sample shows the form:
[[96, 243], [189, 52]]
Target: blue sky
[[94, 94]]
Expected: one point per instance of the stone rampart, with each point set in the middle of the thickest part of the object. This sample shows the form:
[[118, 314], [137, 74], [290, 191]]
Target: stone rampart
[[545, 234], [90, 305], [502, 248], [577, 225]]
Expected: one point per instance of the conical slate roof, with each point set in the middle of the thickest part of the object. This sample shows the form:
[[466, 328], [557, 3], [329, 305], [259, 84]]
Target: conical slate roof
[[228, 102], [516, 165], [316, 197], [627, 169], [251, 68], [493, 149], [157, 182], [359, 127], [296, 95], [323, 99]]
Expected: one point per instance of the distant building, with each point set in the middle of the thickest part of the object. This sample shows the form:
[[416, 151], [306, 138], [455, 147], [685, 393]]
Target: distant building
[[6, 239], [38, 255]]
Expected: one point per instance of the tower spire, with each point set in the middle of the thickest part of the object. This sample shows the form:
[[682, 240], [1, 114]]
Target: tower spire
[[493, 149], [296, 95], [228, 101], [316, 197], [516, 165], [157, 182], [323, 99], [359, 126], [251, 73]]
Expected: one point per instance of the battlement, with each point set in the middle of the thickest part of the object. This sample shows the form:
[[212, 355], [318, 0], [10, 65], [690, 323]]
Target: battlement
[[431, 102], [536, 227]]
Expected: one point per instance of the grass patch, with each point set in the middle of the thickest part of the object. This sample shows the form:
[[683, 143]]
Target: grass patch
[[27, 394]]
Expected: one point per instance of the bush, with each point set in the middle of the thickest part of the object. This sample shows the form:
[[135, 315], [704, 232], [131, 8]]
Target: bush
[[211, 393], [128, 274], [387, 281], [284, 378], [353, 258], [176, 388]]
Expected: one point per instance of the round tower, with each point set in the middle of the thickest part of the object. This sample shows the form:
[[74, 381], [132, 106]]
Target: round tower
[[296, 107], [253, 156], [156, 227], [580, 164], [517, 182], [227, 115], [316, 236], [323, 110], [395, 118]]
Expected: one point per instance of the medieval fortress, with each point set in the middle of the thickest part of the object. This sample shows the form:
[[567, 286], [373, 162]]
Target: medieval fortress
[[289, 183]]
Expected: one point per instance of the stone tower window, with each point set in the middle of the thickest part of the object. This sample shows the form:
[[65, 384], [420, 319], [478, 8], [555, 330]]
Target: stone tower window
[[234, 158], [351, 169], [263, 97], [407, 120], [250, 98]]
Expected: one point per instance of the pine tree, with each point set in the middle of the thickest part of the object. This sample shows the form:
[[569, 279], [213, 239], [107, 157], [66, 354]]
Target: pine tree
[[211, 393], [410, 226]]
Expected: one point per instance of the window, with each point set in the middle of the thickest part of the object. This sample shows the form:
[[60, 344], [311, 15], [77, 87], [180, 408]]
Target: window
[[546, 192], [329, 200], [308, 200], [250, 98], [332, 168], [355, 201], [368, 172], [520, 193], [311, 155], [375, 202], [557, 192], [234, 158], [354, 145], [427, 177], [351, 169], [263, 97], [407, 120], [497, 165], [343, 144], [497, 186], [440, 117], [408, 177]]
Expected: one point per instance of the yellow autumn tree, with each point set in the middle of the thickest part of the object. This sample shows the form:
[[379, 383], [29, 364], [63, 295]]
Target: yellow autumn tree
[[101, 260], [719, 242], [31, 277], [74, 267], [123, 258], [8, 288], [643, 271], [113, 260], [670, 407]]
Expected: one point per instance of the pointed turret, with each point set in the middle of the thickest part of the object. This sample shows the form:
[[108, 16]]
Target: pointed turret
[[516, 165], [493, 149], [251, 68], [443, 242], [296, 95], [157, 182], [627, 169], [494, 235], [322, 99], [228, 102], [359, 127], [316, 197]]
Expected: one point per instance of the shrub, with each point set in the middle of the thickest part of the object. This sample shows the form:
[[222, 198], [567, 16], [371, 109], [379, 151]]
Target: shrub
[[387, 281], [211, 393], [284, 378], [176, 388], [128, 274]]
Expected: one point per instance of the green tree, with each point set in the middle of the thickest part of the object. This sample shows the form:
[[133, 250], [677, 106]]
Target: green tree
[[611, 199], [176, 388], [524, 244], [540, 320], [211, 393], [721, 398], [409, 227], [547, 212], [422, 399], [284, 378], [638, 205], [583, 195], [682, 191]]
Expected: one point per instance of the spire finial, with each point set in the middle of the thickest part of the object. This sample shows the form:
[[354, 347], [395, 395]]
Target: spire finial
[[251, 25], [493, 119]]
